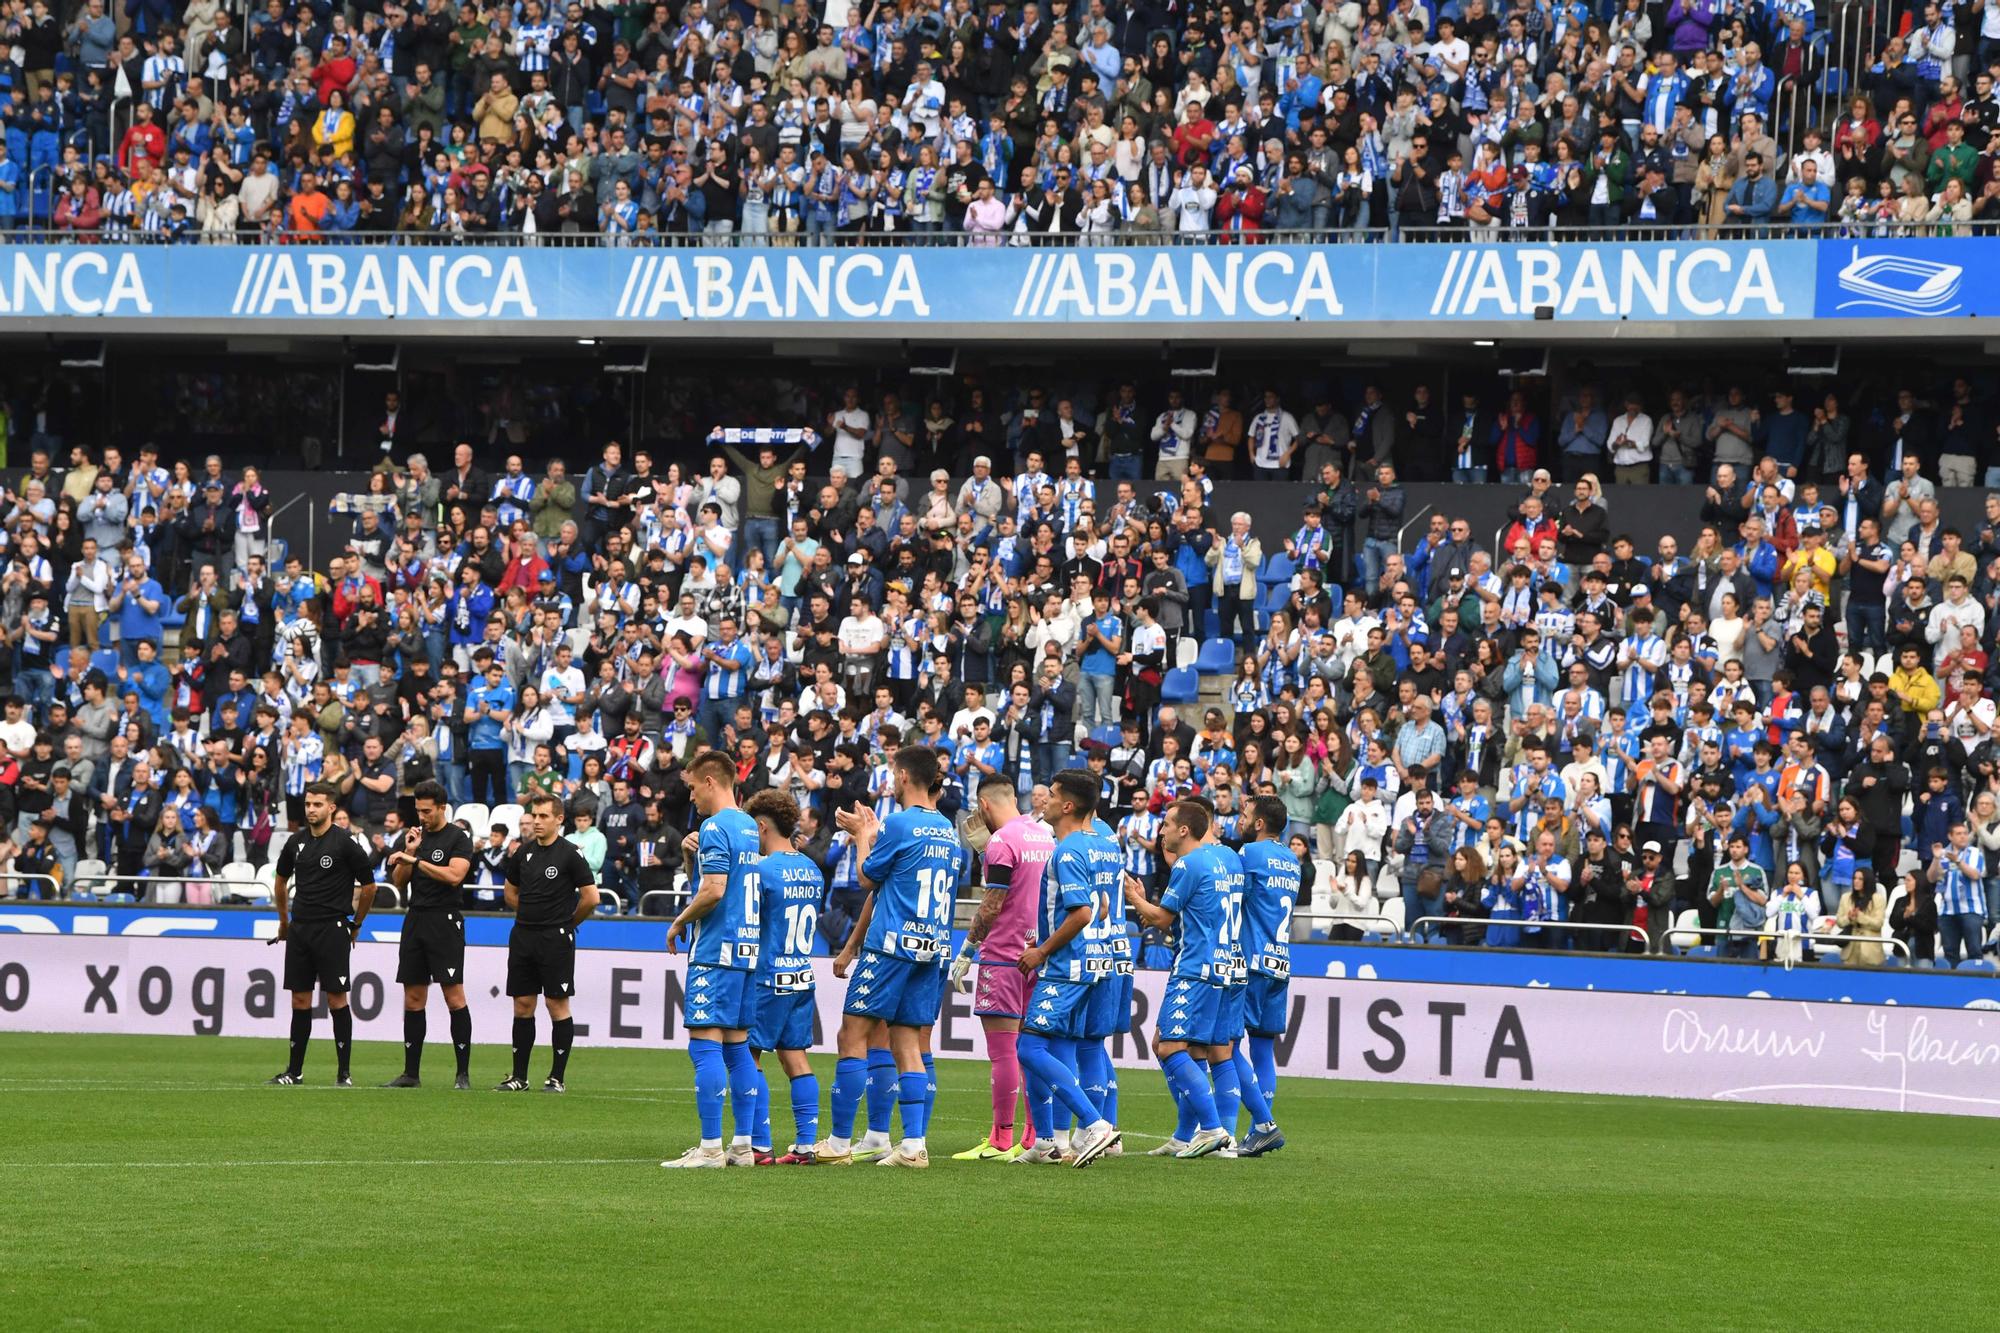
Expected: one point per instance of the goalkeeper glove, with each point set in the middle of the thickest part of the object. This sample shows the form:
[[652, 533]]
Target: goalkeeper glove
[[961, 969]]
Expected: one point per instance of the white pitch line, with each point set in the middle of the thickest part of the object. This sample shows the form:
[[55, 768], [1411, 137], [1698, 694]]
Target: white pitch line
[[328, 1161]]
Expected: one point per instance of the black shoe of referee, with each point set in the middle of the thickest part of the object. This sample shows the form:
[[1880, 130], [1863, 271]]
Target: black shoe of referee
[[553, 1085], [403, 1081], [512, 1085], [343, 1081], [462, 1084], [284, 1079]]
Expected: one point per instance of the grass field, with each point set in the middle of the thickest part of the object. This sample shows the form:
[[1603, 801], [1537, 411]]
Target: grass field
[[151, 1182]]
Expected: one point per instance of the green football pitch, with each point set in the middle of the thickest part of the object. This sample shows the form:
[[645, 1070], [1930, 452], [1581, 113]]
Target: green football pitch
[[153, 1182]]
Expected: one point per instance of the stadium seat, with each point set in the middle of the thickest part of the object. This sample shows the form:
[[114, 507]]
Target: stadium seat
[[476, 816], [508, 816], [1277, 570], [1273, 599], [235, 877], [1393, 910], [387, 899], [1211, 624], [1689, 920], [579, 639], [88, 878], [609, 903], [105, 660], [656, 902], [1105, 735], [1975, 965], [1217, 658], [1185, 651], [1180, 686]]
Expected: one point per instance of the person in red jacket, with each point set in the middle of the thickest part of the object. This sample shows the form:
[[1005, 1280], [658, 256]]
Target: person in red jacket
[[1241, 207], [1516, 435], [144, 138], [336, 71]]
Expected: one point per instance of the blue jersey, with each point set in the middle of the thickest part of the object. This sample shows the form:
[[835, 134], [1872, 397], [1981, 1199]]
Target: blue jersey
[[1270, 888], [789, 887], [915, 866], [728, 935], [1206, 890], [1085, 873]]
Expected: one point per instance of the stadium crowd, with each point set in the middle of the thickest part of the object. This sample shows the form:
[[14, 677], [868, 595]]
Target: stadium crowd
[[1778, 719], [184, 120]]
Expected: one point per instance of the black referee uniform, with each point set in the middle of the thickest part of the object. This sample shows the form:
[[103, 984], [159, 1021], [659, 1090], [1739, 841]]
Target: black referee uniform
[[433, 946], [549, 880], [322, 874]]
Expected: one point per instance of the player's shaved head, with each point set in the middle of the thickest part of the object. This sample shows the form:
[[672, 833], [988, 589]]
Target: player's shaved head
[[777, 807]]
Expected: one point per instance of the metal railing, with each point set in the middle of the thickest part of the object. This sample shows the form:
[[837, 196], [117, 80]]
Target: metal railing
[[55, 885], [1632, 233], [1462, 922], [1670, 949], [1328, 920], [90, 886]]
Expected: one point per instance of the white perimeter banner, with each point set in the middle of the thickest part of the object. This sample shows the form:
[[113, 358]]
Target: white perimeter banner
[[1864, 1056]]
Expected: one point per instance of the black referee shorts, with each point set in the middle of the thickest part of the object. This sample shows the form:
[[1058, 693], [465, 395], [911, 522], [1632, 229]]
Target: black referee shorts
[[316, 954], [541, 960], [433, 949]]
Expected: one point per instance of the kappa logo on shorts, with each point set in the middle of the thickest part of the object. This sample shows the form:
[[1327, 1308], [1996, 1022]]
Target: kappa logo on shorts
[[565, 988], [860, 990], [1048, 990], [451, 971], [343, 981]]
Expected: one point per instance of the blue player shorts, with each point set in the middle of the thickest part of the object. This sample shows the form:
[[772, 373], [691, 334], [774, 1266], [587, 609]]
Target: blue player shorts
[[719, 997], [1267, 1007], [1188, 1013], [1110, 1009], [1059, 1008], [1228, 1015], [784, 1020], [895, 990]]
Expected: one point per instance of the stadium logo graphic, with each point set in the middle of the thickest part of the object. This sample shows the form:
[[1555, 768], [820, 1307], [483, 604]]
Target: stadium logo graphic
[[383, 287], [1650, 282], [1272, 283], [1900, 283], [824, 286], [77, 282]]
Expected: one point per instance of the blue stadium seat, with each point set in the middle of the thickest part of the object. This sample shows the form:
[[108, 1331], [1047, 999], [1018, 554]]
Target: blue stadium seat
[[1975, 965], [1274, 599], [1211, 624], [105, 660], [1182, 685], [1277, 569], [1105, 735], [1218, 658]]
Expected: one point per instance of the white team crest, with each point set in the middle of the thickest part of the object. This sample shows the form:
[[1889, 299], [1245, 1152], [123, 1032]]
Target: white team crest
[[438, 855], [550, 873], [326, 863]]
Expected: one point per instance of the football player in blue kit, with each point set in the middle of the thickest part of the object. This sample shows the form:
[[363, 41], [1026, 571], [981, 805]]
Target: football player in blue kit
[[720, 1003], [1110, 1011], [1204, 899], [911, 864], [1071, 960], [1271, 878], [789, 887]]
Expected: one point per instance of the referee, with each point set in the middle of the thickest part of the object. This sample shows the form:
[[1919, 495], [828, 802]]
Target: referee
[[335, 879], [435, 858], [551, 889]]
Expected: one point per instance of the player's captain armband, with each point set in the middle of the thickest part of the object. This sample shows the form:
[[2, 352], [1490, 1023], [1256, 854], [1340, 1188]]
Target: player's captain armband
[[1274, 966], [920, 948], [745, 954], [791, 983]]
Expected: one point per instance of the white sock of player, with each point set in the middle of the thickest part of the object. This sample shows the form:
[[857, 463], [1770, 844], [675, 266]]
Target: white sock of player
[[913, 1146], [875, 1138], [740, 1141], [714, 1144], [834, 1147], [1062, 1139]]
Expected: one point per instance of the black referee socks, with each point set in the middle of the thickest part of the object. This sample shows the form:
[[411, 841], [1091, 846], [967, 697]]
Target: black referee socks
[[343, 1035], [561, 1033], [461, 1039], [524, 1045], [414, 1027], [302, 1027]]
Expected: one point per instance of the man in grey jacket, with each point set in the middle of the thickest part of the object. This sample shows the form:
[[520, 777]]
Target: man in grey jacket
[[1300, 203], [1169, 586], [1424, 839]]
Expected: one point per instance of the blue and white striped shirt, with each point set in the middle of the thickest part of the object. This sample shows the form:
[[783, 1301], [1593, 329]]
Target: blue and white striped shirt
[[1133, 827], [722, 682], [1957, 892]]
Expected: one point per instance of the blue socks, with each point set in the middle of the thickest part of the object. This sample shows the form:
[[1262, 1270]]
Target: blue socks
[[1192, 1081], [1228, 1093], [882, 1094], [743, 1084], [912, 1101], [1184, 1125], [1253, 1094], [805, 1110], [1094, 1070], [760, 1134], [1041, 1107], [930, 1088], [850, 1081], [1052, 1059], [709, 1081], [1264, 1059]]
